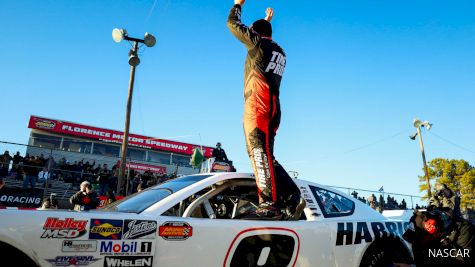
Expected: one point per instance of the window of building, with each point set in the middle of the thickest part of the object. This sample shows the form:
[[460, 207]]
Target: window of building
[[76, 145], [163, 158], [106, 150], [46, 141], [333, 204], [181, 160], [135, 154]]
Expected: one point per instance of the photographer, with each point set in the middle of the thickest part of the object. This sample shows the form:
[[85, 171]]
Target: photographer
[[438, 236], [85, 199]]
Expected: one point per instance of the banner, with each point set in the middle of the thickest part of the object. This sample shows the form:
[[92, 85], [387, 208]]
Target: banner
[[111, 136], [144, 167], [21, 197]]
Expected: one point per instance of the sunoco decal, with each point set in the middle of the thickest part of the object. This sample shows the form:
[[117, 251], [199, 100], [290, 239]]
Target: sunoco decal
[[79, 246], [72, 260], [126, 248], [67, 228], [175, 231], [134, 229], [136, 261], [105, 229], [347, 234]]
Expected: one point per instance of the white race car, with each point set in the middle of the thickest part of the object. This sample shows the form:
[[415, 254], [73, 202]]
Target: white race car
[[192, 221]]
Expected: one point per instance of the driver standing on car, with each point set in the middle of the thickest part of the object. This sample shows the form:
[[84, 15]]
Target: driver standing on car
[[219, 154], [264, 67]]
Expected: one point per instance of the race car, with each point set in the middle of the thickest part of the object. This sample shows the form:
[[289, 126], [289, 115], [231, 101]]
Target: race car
[[197, 220]]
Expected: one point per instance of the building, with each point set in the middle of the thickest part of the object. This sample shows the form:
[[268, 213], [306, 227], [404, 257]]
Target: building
[[76, 142]]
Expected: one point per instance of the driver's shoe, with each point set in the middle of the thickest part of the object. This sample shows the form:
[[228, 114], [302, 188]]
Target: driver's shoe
[[294, 211], [266, 211]]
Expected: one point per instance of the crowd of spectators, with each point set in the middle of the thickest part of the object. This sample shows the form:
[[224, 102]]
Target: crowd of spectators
[[33, 169], [380, 204]]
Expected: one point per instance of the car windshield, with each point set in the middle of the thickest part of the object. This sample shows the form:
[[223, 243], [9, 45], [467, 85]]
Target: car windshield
[[138, 202]]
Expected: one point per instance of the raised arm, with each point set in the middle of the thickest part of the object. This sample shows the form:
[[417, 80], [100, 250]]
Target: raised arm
[[248, 37]]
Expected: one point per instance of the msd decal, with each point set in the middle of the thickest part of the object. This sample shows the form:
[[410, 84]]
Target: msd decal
[[267, 246], [132, 261], [355, 235], [134, 229], [67, 228], [175, 231], [72, 260], [105, 229]]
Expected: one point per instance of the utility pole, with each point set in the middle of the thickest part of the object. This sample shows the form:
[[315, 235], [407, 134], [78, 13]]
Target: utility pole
[[149, 40]]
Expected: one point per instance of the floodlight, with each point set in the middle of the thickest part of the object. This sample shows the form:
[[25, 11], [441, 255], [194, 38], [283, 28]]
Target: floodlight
[[149, 40], [413, 136], [417, 123], [118, 34]]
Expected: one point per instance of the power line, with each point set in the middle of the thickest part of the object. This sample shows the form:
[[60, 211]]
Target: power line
[[452, 143]]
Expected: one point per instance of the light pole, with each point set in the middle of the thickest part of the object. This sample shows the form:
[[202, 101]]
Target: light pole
[[149, 40], [418, 124]]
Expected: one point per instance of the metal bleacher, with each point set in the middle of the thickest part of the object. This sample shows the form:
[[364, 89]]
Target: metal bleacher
[[60, 188]]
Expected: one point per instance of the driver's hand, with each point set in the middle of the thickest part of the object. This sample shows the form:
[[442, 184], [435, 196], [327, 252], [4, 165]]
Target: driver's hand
[[269, 14], [239, 2]]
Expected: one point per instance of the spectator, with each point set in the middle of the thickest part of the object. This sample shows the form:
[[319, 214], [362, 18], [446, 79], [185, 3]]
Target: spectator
[[2, 184], [85, 198], [103, 179], [139, 188], [5, 164], [43, 175], [372, 201], [17, 159], [110, 197], [49, 202], [219, 154], [30, 172]]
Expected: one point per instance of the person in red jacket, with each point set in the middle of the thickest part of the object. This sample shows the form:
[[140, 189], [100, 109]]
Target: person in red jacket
[[264, 67]]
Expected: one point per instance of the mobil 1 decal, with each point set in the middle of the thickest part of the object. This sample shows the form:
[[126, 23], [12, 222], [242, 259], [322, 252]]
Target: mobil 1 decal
[[264, 247], [126, 248], [175, 231], [63, 228], [349, 233], [134, 229], [105, 229], [121, 261]]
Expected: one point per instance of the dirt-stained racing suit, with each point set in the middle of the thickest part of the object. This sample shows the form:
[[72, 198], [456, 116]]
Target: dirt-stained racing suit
[[265, 63]]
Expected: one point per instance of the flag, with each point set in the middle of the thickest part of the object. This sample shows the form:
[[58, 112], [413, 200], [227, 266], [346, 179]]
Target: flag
[[381, 189], [196, 158]]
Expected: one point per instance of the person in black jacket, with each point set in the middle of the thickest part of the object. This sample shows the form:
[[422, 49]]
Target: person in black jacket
[[264, 67], [85, 199], [219, 154]]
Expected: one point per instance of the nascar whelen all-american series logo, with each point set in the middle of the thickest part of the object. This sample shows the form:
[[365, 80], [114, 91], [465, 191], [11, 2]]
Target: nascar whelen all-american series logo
[[45, 124], [105, 229], [134, 229], [67, 228], [175, 231], [72, 260]]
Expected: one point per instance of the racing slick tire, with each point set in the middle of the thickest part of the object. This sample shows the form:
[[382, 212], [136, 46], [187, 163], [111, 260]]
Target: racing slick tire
[[11, 254], [386, 252]]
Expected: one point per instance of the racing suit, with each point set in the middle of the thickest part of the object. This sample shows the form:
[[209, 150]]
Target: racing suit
[[265, 63]]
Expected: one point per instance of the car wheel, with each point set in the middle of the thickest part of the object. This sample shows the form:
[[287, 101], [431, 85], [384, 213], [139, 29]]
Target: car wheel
[[384, 254]]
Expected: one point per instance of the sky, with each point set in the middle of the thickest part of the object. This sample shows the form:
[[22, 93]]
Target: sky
[[357, 74]]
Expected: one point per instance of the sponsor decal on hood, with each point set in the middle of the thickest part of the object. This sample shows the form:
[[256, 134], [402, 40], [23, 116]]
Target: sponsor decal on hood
[[105, 229], [134, 229], [72, 260], [67, 228]]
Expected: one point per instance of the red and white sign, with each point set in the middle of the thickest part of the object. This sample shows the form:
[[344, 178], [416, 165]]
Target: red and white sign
[[111, 136], [144, 167]]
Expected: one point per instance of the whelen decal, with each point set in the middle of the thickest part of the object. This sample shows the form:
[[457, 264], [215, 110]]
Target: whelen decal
[[175, 231], [347, 234], [105, 229], [264, 247], [134, 229], [67, 228], [120, 261], [72, 260]]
